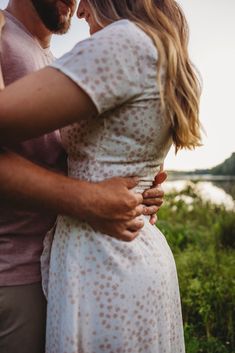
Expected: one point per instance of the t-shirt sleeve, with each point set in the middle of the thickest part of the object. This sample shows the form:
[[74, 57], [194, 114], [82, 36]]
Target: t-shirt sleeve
[[106, 66]]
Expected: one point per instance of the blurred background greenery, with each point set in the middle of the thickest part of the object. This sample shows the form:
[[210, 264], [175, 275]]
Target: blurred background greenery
[[202, 237]]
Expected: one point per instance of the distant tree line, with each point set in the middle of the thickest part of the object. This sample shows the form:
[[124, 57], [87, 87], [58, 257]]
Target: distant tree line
[[225, 168]]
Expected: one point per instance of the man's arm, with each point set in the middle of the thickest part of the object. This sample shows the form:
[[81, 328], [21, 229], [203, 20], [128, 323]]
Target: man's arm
[[109, 206]]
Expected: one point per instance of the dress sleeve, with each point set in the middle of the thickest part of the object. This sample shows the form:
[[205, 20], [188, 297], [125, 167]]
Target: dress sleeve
[[106, 66]]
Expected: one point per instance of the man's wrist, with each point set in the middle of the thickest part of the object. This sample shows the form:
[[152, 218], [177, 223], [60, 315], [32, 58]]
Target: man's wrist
[[44, 190], [75, 197]]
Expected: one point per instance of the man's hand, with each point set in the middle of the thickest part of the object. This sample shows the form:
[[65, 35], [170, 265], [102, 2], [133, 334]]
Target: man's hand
[[114, 208], [153, 197], [122, 230]]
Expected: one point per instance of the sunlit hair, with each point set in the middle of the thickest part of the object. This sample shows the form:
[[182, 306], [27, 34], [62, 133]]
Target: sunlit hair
[[165, 23]]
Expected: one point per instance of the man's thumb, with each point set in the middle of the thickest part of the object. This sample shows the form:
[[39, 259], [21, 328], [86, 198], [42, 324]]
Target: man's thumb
[[131, 182]]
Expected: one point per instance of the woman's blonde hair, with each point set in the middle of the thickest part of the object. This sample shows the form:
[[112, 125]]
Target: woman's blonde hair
[[165, 23]]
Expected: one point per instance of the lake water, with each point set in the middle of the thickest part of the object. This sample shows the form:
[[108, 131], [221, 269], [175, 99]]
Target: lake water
[[219, 190]]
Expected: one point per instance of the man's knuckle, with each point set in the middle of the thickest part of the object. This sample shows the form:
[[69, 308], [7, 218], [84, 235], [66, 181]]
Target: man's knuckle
[[130, 238], [128, 204], [133, 202]]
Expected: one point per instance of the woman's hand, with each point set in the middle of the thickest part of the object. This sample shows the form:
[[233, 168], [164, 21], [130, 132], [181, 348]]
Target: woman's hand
[[153, 197]]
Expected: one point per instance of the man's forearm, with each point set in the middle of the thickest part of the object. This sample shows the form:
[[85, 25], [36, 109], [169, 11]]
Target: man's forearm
[[109, 206], [27, 185]]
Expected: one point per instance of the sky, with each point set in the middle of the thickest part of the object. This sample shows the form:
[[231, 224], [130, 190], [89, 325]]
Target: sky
[[212, 50]]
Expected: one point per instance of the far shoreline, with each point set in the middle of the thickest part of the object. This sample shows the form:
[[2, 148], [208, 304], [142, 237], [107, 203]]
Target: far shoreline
[[178, 175]]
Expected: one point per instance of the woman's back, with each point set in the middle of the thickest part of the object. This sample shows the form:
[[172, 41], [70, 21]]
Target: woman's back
[[117, 67]]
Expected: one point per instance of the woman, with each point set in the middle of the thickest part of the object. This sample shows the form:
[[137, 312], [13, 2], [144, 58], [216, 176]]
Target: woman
[[124, 94]]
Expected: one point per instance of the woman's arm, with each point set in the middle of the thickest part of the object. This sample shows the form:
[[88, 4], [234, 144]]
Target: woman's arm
[[39, 103]]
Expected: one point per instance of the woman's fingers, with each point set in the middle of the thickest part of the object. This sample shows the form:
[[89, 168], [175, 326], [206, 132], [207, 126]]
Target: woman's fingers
[[153, 202], [154, 192], [146, 210], [160, 178], [151, 210]]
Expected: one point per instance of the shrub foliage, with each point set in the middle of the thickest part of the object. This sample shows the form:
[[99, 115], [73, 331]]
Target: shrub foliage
[[202, 238]]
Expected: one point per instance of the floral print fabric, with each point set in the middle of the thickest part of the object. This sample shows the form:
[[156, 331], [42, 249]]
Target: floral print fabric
[[105, 295]]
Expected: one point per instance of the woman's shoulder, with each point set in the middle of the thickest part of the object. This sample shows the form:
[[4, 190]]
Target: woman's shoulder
[[124, 34]]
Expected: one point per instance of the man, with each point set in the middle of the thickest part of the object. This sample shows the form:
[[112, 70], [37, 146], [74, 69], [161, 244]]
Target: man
[[32, 195]]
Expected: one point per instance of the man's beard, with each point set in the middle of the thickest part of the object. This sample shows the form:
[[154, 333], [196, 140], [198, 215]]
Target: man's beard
[[50, 16]]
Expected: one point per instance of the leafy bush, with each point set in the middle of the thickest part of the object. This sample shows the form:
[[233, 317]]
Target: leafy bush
[[226, 231], [202, 238]]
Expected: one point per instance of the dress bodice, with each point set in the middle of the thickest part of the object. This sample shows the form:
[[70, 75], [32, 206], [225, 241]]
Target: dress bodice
[[130, 135]]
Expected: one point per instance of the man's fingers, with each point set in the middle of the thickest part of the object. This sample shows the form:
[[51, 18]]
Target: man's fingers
[[133, 203], [130, 230], [153, 219], [139, 198], [128, 236], [139, 210], [160, 178], [131, 182], [135, 224]]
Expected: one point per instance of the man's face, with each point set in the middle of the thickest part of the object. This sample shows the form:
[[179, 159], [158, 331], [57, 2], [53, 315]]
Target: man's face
[[55, 14]]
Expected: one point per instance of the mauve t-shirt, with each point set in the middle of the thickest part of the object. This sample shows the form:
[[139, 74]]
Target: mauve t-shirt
[[22, 231]]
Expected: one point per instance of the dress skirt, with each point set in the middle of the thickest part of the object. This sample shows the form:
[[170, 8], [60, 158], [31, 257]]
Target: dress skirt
[[110, 296]]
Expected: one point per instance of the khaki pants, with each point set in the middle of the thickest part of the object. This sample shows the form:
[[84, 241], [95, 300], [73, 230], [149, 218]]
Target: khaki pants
[[22, 319]]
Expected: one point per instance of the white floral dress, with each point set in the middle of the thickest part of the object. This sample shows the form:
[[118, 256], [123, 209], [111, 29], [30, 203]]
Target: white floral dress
[[105, 295]]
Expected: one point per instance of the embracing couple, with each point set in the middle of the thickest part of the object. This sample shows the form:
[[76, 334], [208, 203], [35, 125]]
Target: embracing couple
[[116, 102]]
